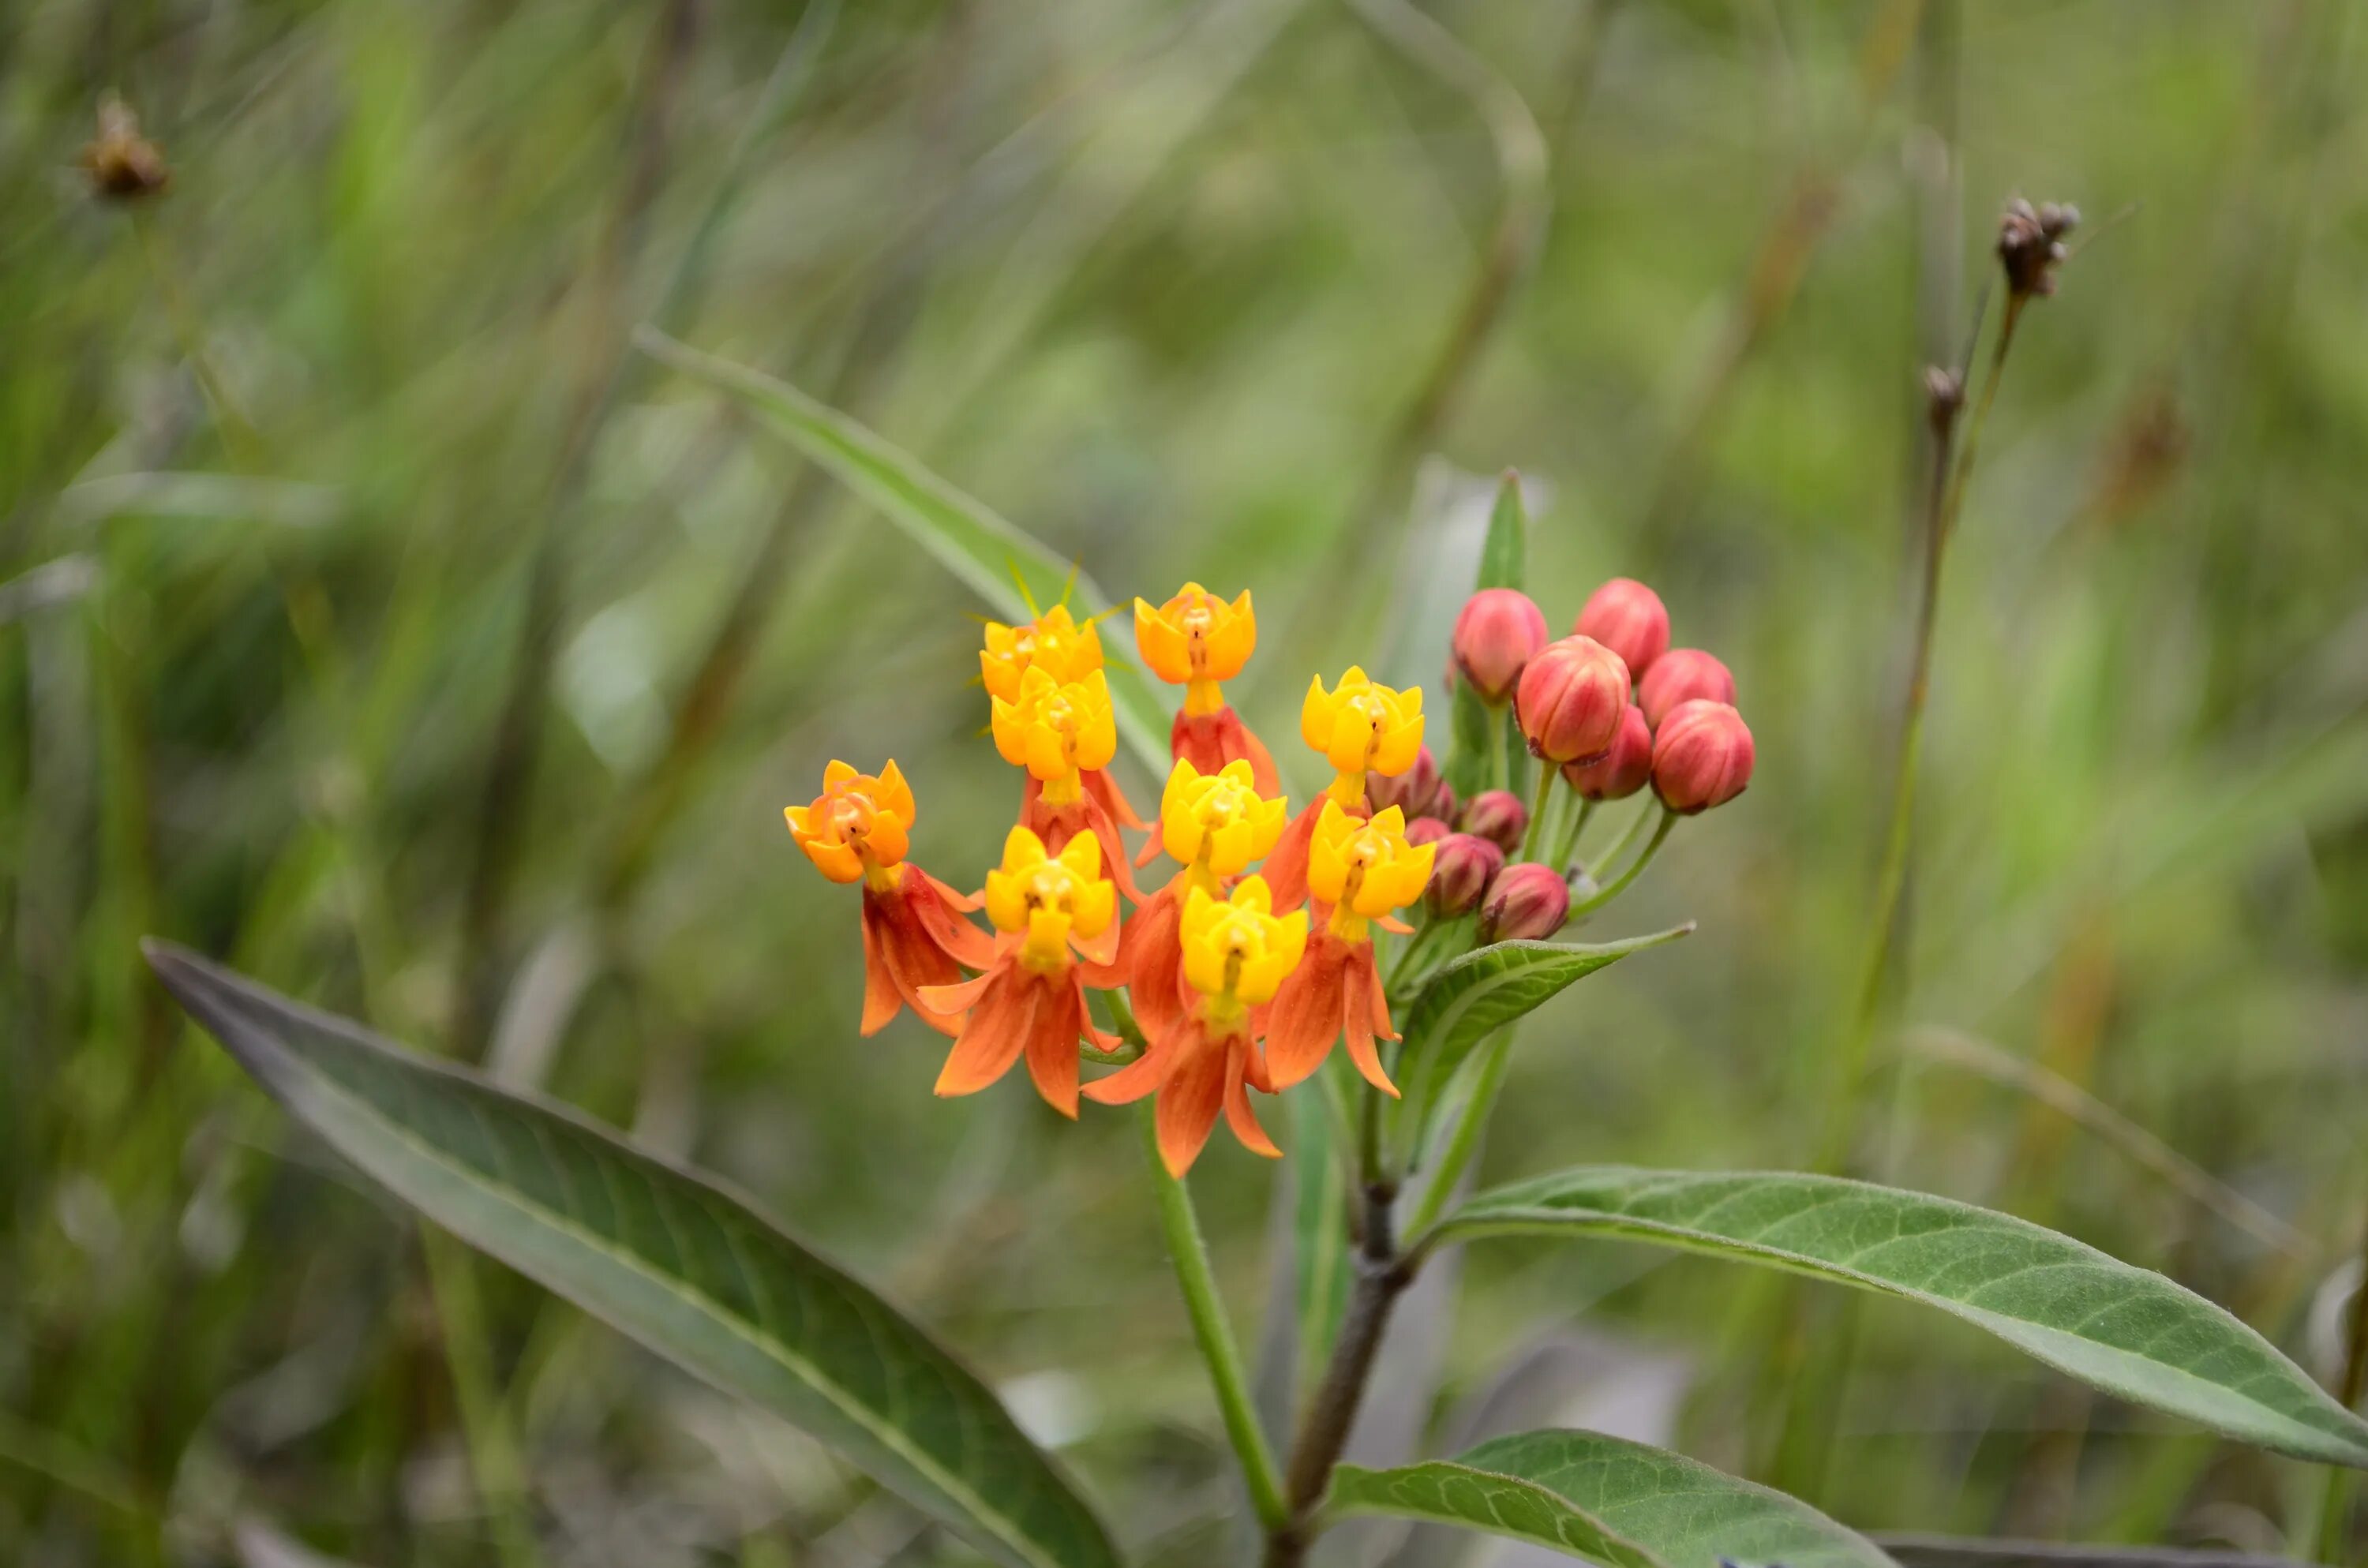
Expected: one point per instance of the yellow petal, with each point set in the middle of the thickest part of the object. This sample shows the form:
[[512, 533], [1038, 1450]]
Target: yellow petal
[[1397, 748], [896, 796], [837, 773], [1315, 714], [1082, 856], [1096, 905], [1006, 900]]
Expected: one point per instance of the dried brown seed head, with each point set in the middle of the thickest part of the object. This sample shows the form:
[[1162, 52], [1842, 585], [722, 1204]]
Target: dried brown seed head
[[2031, 244], [123, 165]]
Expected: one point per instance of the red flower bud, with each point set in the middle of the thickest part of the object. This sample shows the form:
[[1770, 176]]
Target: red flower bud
[[1623, 771], [1415, 792], [1627, 617], [1701, 756], [1570, 699], [1680, 676], [1445, 805], [1426, 830], [1524, 904], [1498, 816], [1500, 631], [1461, 872]]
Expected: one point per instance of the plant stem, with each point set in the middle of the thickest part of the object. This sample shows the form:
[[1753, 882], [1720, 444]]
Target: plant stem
[[1500, 766], [1627, 836], [1539, 805], [1383, 1275], [1636, 867], [1943, 501], [1464, 1141], [494, 1461], [1567, 850], [1215, 1337]]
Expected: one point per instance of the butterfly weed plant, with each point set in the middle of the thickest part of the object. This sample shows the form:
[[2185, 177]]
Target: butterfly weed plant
[[1375, 946]]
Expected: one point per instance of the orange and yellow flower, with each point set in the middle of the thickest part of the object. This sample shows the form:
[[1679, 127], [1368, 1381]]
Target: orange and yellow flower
[[1065, 736], [1359, 871], [914, 936], [1216, 824], [1198, 641], [1237, 954], [1055, 641], [1360, 727], [1050, 910]]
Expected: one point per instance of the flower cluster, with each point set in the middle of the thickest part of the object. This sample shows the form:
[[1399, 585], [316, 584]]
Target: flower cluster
[[1256, 954]]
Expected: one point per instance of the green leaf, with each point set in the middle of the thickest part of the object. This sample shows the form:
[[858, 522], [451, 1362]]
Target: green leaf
[[1504, 559], [1467, 752], [1319, 1175], [1616, 1503], [664, 1255], [967, 538], [1481, 992], [2124, 1329]]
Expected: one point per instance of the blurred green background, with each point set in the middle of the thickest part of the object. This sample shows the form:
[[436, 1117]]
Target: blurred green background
[[374, 617]]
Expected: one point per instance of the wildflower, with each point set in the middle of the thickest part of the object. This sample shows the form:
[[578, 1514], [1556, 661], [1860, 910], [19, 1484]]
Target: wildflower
[[1701, 756], [1524, 904], [1498, 816], [1460, 873], [1570, 699], [1055, 643], [914, 935], [1359, 871], [1214, 825], [1498, 632], [122, 165], [1065, 736], [1360, 729], [1051, 910], [1680, 676], [1198, 641], [1629, 619], [1237, 954], [1621, 771]]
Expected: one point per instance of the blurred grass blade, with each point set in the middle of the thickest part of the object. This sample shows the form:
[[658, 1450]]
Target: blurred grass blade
[[663, 1255], [2124, 1329], [1481, 992], [969, 539], [1612, 1502]]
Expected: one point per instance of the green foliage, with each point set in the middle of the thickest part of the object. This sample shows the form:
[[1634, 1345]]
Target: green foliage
[[1481, 992], [2126, 1330], [1612, 1502], [666, 1255]]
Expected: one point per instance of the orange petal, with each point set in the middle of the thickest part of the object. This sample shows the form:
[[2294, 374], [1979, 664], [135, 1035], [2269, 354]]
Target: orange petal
[[1101, 952], [1304, 1018], [1361, 988], [1238, 1114], [1052, 1042], [1393, 925], [957, 998], [882, 1000], [1131, 1082], [1189, 1102], [991, 1041], [1104, 789], [1286, 870], [966, 903], [1261, 761]]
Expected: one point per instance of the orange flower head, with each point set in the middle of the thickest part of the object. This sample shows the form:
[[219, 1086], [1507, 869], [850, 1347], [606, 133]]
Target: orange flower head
[[1365, 869], [1057, 731], [1055, 643], [1052, 902], [1361, 728], [858, 828], [1237, 951], [1196, 641], [1216, 824]]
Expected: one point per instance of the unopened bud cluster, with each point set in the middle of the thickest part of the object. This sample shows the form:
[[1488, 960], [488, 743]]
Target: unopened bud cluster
[[2031, 243]]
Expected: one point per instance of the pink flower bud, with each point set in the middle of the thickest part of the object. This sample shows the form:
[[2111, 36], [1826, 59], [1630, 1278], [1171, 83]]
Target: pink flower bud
[[1570, 699], [1500, 631], [1627, 617], [1701, 756], [1415, 792], [1426, 830], [1463, 866], [1524, 904], [1445, 805], [1623, 771], [1498, 816], [1683, 675]]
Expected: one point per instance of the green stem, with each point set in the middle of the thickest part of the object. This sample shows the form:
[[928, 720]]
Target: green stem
[[1500, 767], [1567, 850], [1539, 805], [1214, 1335], [494, 1459], [1661, 834], [1464, 1141], [1619, 845]]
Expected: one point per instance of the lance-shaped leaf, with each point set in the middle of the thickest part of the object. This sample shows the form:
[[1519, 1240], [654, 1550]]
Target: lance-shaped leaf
[[1504, 564], [2124, 1329], [1619, 1504], [968, 538], [1471, 998], [667, 1256]]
